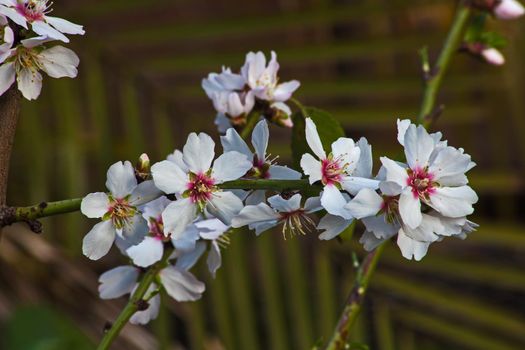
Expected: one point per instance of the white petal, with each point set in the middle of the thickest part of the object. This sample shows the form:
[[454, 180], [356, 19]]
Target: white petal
[[344, 148], [186, 241], [224, 206], [222, 122], [121, 179], [155, 208], [390, 188], [169, 178], [402, 126], [365, 163], [42, 28], [252, 214], [313, 139], [418, 146], [332, 225], [255, 197], [260, 137], [449, 162], [151, 313], [395, 172], [7, 77], [145, 192], [509, 9], [98, 241], [59, 62], [230, 166], [353, 184], [65, 26], [380, 227], [181, 285], [176, 157], [280, 172], [284, 91], [36, 41], [232, 141], [95, 205], [426, 231], [454, 201], [187, 260], [285, 205], [366, 203], [147, 252], [312, 205], [311, 167], [211, 229], [135, 229], [29, 83], [410, 247], [370, 241], [263, 226], [334, 202], [177, 216], [214, 260], [198, 152], [117, 282], [410, 208], [13, 15]]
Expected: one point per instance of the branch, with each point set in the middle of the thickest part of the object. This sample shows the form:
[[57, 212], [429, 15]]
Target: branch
[[135, 302], [9, 111], [433, 82]]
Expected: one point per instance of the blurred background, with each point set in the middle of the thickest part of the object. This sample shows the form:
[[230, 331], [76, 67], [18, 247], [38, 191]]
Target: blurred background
[[139, 91]]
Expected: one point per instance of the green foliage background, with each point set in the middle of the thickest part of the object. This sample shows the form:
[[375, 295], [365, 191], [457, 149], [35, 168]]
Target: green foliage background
[[139, 91]]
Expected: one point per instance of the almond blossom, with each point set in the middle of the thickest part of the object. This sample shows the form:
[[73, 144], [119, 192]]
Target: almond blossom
[[195, 181], [35, 13], [434, 176], [118, 210], [7, 38], [288, 212], [25, 62], [180, 284], [263, 167], [336, 170], [508, 9]]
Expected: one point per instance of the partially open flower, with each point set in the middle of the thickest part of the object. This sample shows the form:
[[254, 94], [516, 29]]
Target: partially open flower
[[493, 56], [508, 9]]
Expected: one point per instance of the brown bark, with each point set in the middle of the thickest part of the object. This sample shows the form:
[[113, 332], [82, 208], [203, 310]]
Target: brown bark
[[9, 111]]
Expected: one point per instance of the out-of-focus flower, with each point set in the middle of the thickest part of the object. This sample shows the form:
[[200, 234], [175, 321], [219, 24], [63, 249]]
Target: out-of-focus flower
[[263, 167], [336, 171], [35, 12], [195, 181], [434, 175], [288, 212], [118, 210], [7, 37], [27, 60], [508, 9]]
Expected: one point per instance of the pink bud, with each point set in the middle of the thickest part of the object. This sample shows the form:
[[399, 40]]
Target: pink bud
[[493, 56], [509, 9], [287, 123]]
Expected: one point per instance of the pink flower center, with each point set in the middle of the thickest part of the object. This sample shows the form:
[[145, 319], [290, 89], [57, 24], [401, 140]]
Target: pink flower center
[[421, 182], [120, 212], [260, 169], [331, 171], [33, 10], [200, 188], [390, 207]]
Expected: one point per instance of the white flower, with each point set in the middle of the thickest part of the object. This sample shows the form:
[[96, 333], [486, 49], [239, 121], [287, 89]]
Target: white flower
[[7, 37], [35, 12], [434, 175], [336, 170], [262, 166], [213, 230], [151, 249], [196, 182], [263, 80], [289, 212], [226, 81], [233, 104], [508, 9], [493, 56], [26, 60], [118, 210], [179, 283]]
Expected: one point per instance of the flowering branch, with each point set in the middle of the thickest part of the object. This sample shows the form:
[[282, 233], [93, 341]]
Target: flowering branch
[[9, 111], [135, 303], [433, 79]]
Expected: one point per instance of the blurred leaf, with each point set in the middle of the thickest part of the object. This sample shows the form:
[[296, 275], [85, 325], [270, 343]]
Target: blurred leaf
[[493, 39], [328, 127], [476, 28], [42, 328]]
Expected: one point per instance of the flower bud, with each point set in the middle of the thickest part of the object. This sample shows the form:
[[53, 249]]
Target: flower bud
[[508, 9], [493, 56], [142, 169], [279, 113]]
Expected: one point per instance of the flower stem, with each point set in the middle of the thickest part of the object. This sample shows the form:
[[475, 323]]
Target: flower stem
[[251, 121], [355, 299], [133, 304], [300, 106], [435, 78], [433, 83]]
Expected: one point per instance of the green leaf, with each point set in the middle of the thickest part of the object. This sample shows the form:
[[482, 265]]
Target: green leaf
[[493, 39], [328, 128]]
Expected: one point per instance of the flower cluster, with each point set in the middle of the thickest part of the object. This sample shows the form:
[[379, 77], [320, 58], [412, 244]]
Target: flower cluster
[[174, 211], [26, 32], [256, 89]]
